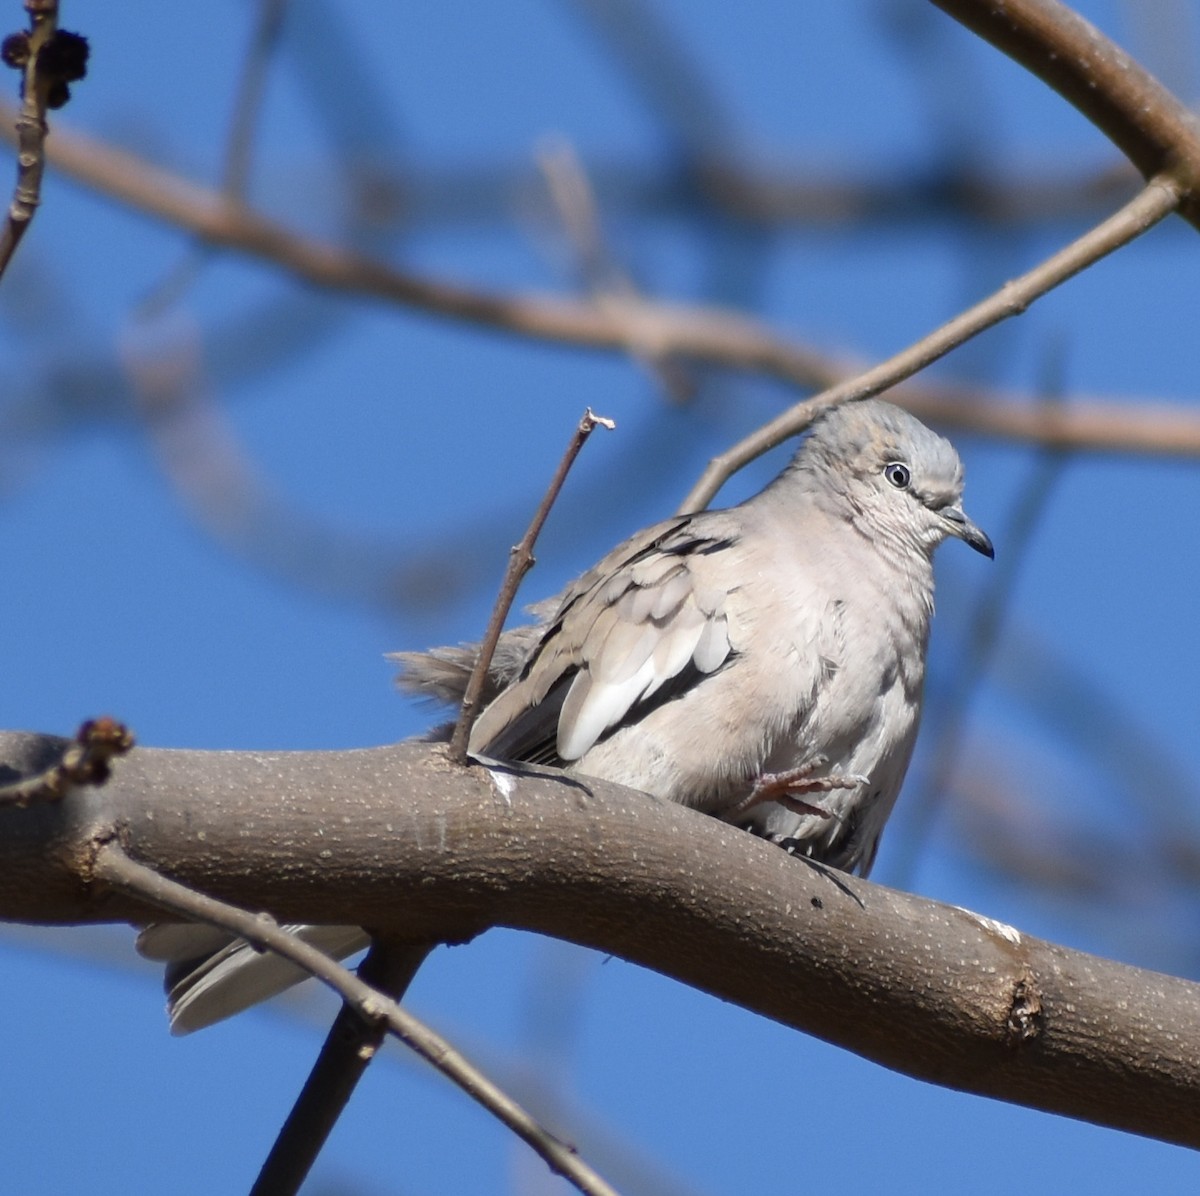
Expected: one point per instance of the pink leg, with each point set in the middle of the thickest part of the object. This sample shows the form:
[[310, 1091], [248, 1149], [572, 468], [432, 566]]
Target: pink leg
[[786, 788]]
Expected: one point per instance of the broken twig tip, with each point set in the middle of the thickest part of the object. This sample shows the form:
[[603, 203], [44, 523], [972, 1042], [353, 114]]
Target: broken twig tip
[[591, 420]]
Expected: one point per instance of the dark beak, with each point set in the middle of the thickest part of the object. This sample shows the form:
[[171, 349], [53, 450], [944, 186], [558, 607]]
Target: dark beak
[[965, 530]]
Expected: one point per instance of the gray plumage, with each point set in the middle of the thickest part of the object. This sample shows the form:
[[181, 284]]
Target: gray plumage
[[785, 635]]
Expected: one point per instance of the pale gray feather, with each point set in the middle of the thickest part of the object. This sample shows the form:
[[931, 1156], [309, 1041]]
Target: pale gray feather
[[211, 975]]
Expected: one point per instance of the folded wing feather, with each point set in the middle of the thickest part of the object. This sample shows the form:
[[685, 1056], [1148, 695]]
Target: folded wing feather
[[623, 631]]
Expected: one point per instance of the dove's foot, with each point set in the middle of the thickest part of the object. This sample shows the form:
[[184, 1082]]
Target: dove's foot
[[789, 789]]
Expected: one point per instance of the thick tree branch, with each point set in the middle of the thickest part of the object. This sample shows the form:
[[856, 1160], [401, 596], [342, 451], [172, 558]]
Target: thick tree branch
[[397, 838]]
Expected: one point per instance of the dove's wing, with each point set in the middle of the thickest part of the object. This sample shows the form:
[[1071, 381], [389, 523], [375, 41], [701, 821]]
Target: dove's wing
[[640, 626]]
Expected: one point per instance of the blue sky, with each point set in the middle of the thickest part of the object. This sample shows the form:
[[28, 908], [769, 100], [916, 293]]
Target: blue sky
[[397, 438]]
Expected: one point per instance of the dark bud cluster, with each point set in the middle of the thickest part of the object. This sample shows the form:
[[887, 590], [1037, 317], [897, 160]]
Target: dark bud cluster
[[60, 62], [14, 50]]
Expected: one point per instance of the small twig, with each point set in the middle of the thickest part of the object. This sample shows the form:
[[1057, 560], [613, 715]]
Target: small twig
[[1157, 200], [349, 1047], [50, 60], [30, 127], [115, 868], [85, 761], [520, 561]]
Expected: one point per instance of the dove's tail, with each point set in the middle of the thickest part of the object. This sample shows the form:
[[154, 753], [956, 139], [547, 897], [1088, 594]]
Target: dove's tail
[[211, 975], [441, 674]]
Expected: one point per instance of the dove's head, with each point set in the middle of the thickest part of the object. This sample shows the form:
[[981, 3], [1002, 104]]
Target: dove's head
[[902, 482]]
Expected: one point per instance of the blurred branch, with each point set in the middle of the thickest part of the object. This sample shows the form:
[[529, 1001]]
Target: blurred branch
[[1158, 200], [764, 195], [575, 203], [114, 868], [1018, 831], [654, 58], [985, 1008], [1118, 738], [631, 325], [248, 98], [981, 642], [704, 334], [224, 491], [239, 149]]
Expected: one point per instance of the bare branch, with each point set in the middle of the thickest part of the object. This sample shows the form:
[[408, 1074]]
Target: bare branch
[[239, 150], [349, 1048], [710, 335], [224, 489], [630, 325], [398, 839], [1158, 200], [520, 561], [571, 193], [1156, 131], [113, 867], [1090, 426], [248, 98], [979, 649]]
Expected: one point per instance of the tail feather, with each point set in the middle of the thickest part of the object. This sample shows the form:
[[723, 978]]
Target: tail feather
[[441, 674], [211, 976]]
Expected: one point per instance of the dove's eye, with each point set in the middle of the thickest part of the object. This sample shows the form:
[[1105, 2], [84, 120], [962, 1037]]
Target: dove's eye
[[898, 474]]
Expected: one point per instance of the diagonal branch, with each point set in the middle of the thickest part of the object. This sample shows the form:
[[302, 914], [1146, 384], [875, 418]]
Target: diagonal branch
[[125, 875], [349, 1048], [520, 561], [1155, 202]]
